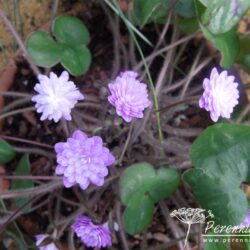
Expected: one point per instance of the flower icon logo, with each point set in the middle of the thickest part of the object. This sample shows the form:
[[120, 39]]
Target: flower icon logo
[[191, 216]]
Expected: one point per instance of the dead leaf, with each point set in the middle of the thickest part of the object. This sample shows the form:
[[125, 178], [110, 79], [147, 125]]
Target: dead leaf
[[160, 237], [7, 77]]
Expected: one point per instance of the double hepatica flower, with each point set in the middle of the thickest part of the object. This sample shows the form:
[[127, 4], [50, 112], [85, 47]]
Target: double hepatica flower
[[220, 95], [56, 96], [129, 96], [90, 234], [83, 160]]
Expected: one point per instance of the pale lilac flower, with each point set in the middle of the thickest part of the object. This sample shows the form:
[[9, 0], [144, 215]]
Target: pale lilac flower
[[42, 246], [83, 160], [91, 235], [220, 95], [129, 96], [56, 96]]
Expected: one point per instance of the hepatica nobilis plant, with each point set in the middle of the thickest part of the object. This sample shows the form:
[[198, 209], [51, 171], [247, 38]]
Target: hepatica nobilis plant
[[220, 155]]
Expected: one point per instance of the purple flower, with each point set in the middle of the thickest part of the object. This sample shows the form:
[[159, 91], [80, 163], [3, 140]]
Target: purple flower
[[220, 95], [129, 96], [56, 96], [83, 160], [91, 235], [43, 246]]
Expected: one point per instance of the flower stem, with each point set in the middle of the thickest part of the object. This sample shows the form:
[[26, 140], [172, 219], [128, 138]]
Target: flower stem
[[29, 177], [186, 239], [132, 30], [155, 98], [17, 111], [190, 99]]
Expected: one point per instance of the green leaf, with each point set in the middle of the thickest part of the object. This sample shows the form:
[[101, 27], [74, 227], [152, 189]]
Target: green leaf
[[223, 149], [222, 15], [185, 8], [191, 24], [135, 180], [212, 244], [138, 214], [142, 178], [204, 2], [227, 43], [70, 30], [226, 200], [188, 25], [166, 181], [246, 243], [43, 49], [75, 59], [146, 11], [140, 185], [221, 159], [72, 36], [23, 168], [7, 153]]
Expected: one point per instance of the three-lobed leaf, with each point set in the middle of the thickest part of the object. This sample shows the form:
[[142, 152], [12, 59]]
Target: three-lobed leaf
[[225, 199], [185, 8], [70, 30], [147, 11], [7, 153], [222, 15], [223, 149], [227, 43], [143, 179], [132, 181], [188, 25], [43, 49], [69, 48], [221, 159], [166, 181], [141, 186], [75, 59], [138, 214], [204, 2]]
